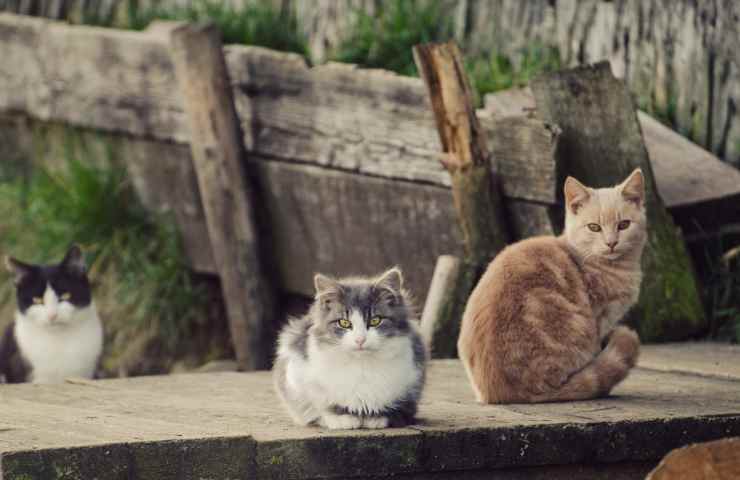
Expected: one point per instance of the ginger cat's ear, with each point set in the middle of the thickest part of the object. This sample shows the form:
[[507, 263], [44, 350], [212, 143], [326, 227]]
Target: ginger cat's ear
[[633, 189], [576, 194]]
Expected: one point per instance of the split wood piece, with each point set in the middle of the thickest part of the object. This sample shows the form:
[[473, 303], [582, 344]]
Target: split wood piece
[[601, 143], [441, 292], [475, 188], [226, 193], [717, 460]]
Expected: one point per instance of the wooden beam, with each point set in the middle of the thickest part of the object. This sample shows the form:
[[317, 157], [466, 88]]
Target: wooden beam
[[227, 195], [601, 144], [475, 187]]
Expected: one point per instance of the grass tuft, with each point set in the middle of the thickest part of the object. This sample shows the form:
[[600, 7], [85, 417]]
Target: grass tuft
[[385, 40], [258, 24]]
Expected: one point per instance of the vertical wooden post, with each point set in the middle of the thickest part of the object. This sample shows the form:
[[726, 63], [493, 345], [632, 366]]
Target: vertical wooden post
[[475, 188], [227, 195], [601, 143]]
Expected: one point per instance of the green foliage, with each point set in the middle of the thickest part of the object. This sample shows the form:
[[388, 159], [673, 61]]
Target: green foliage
[[385, 40], [97, 208], [248, 23], [498, 72]]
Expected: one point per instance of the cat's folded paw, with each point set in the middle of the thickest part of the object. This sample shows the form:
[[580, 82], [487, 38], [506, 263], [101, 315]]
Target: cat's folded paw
[[626, 343], [340, 422], [375, 422]]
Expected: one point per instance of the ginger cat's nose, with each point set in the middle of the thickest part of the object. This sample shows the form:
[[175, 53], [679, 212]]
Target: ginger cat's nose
[[611, 245]]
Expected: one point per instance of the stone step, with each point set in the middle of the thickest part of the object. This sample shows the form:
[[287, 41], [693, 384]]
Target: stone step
[[231, 425]]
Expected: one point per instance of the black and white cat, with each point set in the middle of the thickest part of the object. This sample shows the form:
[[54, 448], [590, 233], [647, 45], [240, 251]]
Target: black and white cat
[[57, 333], [356, 359]]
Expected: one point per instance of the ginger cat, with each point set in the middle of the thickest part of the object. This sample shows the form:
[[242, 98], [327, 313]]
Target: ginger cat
[[534, 325]]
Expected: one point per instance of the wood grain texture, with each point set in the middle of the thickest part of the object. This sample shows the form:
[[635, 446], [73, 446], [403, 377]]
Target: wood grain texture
[[120, 81], [343, 223], [476, 189], [229, 200], [602, 144], [685, 173], [443, 283], [335, 115]]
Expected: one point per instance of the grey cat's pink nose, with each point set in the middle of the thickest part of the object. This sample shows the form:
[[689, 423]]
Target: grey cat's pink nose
[[359, 341]]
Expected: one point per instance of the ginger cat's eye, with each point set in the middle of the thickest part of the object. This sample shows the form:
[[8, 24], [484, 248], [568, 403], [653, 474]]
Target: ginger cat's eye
[[375, 321], [623, 225], [344, 323], [594, 227], [66, 296], [38, 300]]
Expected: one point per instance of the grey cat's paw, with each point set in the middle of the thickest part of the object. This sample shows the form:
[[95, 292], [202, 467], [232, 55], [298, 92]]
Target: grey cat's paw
[[375, 422], [340, 422]]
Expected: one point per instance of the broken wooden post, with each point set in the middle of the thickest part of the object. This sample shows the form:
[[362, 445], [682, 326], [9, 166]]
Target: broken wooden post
[[441, 291], [227, 195], [601, 143], [475, 188]]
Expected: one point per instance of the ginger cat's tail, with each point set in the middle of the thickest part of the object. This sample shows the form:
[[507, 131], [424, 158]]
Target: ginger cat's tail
[[604, 372]]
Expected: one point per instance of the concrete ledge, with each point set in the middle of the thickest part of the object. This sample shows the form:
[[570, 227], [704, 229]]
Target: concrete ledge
[[230, 425]]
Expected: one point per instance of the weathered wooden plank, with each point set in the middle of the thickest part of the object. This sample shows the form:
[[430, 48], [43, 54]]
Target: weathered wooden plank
[[685, 173], [368, 121], [343, 223], [119, 80], [603, 143], [229, 200]]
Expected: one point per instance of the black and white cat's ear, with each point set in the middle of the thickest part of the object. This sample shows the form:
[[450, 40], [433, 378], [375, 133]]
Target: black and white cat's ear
[[19, 269], [74, 261], [633, 189], [576, 194], [392, 280]]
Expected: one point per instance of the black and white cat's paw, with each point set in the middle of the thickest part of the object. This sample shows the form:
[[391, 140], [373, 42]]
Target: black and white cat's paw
[[375, 422], [333, 421]]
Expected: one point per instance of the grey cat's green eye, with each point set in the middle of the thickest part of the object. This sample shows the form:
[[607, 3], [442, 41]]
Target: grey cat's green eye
[[623, 225], [375, 321], [344, 323], [66, 296], [594, 227]]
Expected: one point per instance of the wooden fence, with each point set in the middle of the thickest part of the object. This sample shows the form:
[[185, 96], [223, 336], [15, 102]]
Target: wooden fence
[[345, 160]]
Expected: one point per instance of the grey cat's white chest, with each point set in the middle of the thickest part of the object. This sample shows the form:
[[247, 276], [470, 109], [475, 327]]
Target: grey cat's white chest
[[369, 382], [55, 353]]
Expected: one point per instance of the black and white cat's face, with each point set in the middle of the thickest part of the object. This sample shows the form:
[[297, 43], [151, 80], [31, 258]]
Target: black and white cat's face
[[51, 295], [360, 315]]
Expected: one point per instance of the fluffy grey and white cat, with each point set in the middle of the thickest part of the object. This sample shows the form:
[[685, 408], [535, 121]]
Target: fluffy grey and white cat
[[57, 333], [356, 359]]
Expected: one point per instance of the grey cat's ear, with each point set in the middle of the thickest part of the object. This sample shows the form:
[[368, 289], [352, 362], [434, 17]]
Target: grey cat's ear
[[74, 261], [325, 285], [633, 189], [575, 194], [17, 268], [392, 280]]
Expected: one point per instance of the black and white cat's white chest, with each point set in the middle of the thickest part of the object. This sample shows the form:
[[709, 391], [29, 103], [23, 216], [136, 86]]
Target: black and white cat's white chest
[[57, 333]]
